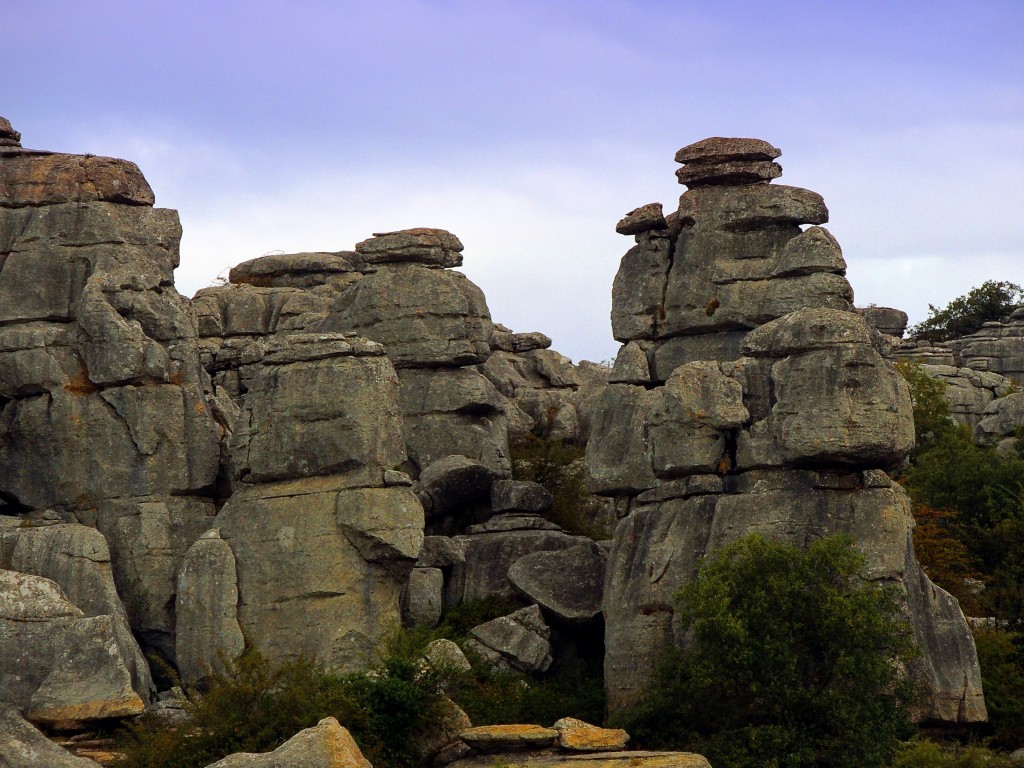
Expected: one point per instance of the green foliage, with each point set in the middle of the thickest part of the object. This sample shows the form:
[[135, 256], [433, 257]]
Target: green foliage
[[792, 660], [560, 466], [964, 315], [921, 753], [1001, 655], [255, 707], [573, 687], [932, 419]]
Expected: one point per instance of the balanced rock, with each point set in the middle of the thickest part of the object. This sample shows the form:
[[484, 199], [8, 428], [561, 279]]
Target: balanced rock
[[642, 219], [520, 640], [724, 161], [432, 247], [567, 583]]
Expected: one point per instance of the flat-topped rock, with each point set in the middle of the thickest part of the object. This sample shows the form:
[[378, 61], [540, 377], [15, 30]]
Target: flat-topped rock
[[643, 219], [8, 136], [719, 149], [733, 172], [274, 268], [32, 179], [501, 738], [423, 245], [580, 736]]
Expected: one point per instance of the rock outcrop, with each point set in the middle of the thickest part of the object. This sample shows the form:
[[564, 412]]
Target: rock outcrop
[[326, 745], [766, 405], [21, 745], [104, 415]]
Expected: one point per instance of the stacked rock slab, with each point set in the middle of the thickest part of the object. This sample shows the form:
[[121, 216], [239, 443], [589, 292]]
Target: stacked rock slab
[[766, 406], [321, 531], [104, 417]]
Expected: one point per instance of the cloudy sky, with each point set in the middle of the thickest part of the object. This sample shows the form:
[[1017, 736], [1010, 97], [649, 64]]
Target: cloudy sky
[[528, 128]]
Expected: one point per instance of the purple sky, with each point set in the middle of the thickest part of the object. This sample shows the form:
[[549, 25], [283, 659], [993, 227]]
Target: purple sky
[[529, 128]]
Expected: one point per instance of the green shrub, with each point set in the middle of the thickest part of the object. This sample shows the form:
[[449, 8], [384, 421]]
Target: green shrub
[[921, 753], [560, 466], [992, 300], [255, 707], [792, 660], [1001, 655]]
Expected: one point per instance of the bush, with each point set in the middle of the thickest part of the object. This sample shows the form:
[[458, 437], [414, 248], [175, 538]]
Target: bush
[[964, 315], [792, 660], [560, 466], [1001, 655], [255, 707], [921, 753]]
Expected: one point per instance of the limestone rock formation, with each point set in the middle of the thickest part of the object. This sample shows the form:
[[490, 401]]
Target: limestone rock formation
[[60, 666], [97, 349], [885, 320], [766, 405], [320, 541], [21, 745], [519, 641]]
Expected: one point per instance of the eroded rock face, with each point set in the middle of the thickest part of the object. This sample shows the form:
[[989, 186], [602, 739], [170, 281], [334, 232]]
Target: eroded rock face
[[321, 531], [326, 745], [22, 746], [61, 667], [750, 398], [104, 405]]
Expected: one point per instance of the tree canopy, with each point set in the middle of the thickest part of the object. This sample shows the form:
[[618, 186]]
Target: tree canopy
[[992, 300], [792, 661]]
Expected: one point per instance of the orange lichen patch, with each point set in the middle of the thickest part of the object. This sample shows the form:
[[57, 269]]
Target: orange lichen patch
[[43, 179], [495, 738], [200, 409], [80, 383], [579, 736], [126, 705]]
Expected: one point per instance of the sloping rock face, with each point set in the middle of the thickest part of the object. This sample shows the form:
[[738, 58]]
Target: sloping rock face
[[766, 406], [104, 416], [326, 745], [22, 746], [320, 533]]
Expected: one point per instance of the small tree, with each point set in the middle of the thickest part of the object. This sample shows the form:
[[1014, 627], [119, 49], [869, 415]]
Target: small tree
[[792, 660], [964, 315]]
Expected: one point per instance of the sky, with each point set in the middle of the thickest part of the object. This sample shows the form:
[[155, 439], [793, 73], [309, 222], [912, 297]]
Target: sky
[[529, 128]]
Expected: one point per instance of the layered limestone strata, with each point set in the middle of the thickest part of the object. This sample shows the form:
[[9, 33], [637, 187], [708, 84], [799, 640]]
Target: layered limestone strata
[[749, 398]]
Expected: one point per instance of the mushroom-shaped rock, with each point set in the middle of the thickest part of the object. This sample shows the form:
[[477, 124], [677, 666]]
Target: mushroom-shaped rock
[[568, 583]]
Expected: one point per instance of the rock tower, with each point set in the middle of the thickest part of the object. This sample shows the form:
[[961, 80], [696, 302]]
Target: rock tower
[[748, 397]]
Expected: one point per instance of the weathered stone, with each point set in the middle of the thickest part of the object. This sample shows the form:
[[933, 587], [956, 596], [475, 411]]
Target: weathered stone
[[206, 603], [298, 270], [1000, 420], [326, 745], [77, 559], [60, 666], [521, 638], [8, 136], [502, 738], [891, 322], [507, 341], [718, 149], [444, 654], [453, 482], [642, 219], [318, 417], [423, 597], [731, 172], [425, 317], [22, 746], [519, 496], [439, 552], [513, 521], [38, 178], [579, 736], [489, 555], [453, 412], [434, 247], [568, 584]]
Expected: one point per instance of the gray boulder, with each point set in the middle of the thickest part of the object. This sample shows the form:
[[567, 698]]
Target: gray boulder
[[22, 746], [520, 640], [519, 496], [567, 583], [62, 667]]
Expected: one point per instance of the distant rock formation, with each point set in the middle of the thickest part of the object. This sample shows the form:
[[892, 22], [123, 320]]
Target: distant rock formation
[[749, 397]]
